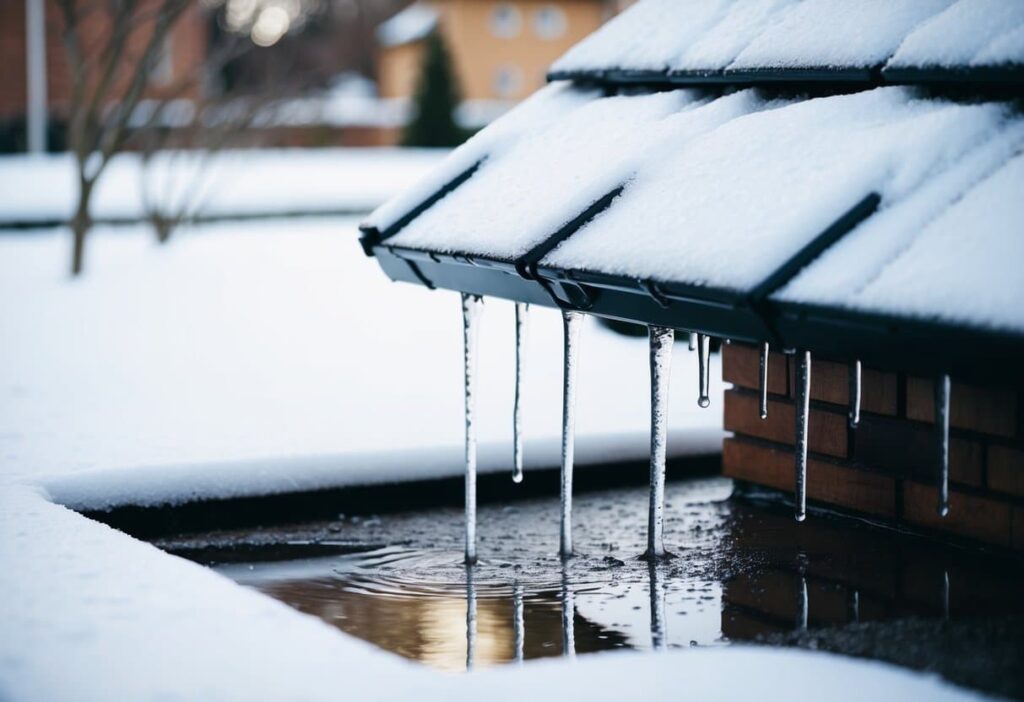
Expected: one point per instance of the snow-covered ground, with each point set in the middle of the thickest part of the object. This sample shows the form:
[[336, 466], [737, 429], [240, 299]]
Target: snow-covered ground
[[260, 358], [232, 183]]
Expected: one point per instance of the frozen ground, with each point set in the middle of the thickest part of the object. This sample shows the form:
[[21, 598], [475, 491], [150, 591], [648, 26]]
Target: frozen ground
[[265, 358]]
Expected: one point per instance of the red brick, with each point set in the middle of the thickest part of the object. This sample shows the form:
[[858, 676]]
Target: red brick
[[879, 392], [985, 410], [826, 482], [826, 430], [965, 461], [976, 517], [1006, 469], [741, 365]]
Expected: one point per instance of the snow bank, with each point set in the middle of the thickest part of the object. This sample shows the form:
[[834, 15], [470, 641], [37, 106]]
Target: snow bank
[[261, 358], [285, 181], [970, 33], [547, 104], [732, 206]]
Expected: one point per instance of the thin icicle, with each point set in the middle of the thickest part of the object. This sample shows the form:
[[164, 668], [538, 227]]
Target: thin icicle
[[568, 616], [693, 340], [659, 636], [518, 621], [942, 440], [803, 604], [572, 323], [803, 406], [704, 359], [855, 606], [661, 340], [470, 619], [945, 595], [855, 381], [471, 308], [522, 312], [763, 385]]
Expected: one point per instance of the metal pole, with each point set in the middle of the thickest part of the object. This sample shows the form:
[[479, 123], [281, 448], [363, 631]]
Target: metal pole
[[35, 75]]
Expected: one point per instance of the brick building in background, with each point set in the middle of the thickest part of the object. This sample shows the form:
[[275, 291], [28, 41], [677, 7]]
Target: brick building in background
[[184, 55]]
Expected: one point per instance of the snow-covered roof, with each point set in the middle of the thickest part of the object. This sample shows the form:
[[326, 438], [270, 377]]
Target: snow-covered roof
[[759, 39], [411, 24], [728, 205]]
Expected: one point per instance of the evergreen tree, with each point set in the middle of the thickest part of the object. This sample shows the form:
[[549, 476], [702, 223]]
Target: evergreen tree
[[437, 95]]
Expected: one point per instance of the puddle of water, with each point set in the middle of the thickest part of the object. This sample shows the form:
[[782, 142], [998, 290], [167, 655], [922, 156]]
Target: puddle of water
[[742, 573]]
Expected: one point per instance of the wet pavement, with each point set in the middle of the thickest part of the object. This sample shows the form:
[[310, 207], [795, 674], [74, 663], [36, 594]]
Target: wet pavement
[[742, 572]]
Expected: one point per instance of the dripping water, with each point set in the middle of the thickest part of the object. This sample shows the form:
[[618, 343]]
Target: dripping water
[[471, 308], [522, 311], [942, 440], [518, 621], [703, 359], [568, 615], [803, 398], [763, 378], [572, 323], [470, 618], [661, 340], [855, 382]]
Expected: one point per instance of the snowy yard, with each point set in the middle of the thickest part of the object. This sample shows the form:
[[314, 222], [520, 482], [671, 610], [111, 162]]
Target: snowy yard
[[272, 357]]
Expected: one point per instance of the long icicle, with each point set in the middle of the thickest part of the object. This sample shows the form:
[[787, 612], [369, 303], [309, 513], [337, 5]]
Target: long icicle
[[855, 382], [518, 621], [942, 440], [763, 380], [661, 340], [522, 311], [471, 307], [571, 322], [703, 360], [803, 406]]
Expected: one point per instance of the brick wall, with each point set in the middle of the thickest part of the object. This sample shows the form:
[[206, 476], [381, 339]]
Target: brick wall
[[886, 467]]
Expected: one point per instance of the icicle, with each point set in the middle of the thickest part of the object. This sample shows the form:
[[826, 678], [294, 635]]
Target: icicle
[[804, 603], [471, 307], [764, 380], [661, 340], [470, 618], [522, 310], [572, 322], [803, 400], [854, 394], [518, 621], [568, 614], [855, 606], [942, 440], [693, 340], [658, 634], [945, 595], [703, 359]]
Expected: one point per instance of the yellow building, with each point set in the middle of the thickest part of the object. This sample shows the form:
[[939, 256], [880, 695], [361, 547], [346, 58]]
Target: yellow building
[[500, 50]]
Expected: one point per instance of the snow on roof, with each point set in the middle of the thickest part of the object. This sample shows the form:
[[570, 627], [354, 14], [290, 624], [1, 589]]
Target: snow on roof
[[548, 103], [411, 24], [970, 33], [732, 207], [768, 35]]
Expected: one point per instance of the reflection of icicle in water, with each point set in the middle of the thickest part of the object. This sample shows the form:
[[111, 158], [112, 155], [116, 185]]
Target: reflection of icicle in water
[[571, 322], [568, 614], [659, 637], [661, 339], [763, 380], [803, 604], [518, 621], [855, 606], [803, 401], [522, 310], [470, 618], [471, 307], [855, 381], [693, 340], [703, 359], [942, 440], [945, 595]]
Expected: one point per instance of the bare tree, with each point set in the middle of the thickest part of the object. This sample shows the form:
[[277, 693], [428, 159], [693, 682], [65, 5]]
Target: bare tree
[[109, 71]]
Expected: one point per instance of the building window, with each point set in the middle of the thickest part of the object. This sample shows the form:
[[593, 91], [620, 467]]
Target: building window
[[506, 21], [549, 22], [508, 81]]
